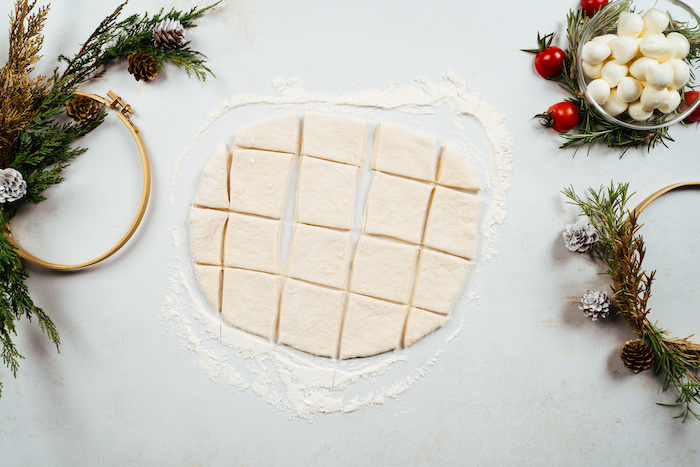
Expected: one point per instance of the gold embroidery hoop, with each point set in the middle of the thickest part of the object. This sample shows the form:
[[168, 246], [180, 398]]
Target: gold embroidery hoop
[[122, 114], [662, 191]]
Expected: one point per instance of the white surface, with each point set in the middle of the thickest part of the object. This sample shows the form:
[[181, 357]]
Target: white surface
[[528, 381]]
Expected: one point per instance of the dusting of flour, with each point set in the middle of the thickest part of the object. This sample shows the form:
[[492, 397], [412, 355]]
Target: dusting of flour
[[292, 381]]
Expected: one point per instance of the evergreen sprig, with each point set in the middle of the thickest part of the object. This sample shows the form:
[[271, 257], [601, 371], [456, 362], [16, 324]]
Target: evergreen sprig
[[593, 127], [621, 248], [36, 140]]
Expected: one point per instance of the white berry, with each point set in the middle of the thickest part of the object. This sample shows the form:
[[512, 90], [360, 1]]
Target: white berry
[[592, 71], [629, 24], [629, 89], [594, 52], [637, 112], [658, 47], [614, 106], [599, 90], [638, 68], [655, 22], [613, 72], [653, 98], [623, 48], [672, 104], [681, 43]]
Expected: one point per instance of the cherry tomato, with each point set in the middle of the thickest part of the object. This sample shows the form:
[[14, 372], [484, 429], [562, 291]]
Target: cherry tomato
[[562, 116], [548, 62], [690, 98], [591, 7]]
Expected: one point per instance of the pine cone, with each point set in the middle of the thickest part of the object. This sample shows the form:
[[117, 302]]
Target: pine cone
[[595, 304], [168, 33], [82, 109], [12, 185], [142, 65], [636, 355], [580, 236]]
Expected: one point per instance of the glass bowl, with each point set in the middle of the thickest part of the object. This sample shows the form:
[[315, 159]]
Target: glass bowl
[[605, 22]]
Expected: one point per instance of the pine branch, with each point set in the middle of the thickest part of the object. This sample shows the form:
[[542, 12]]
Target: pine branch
[[621, 248]]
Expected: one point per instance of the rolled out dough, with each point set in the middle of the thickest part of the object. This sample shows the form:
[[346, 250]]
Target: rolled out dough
[[335, 138], [275, 134], [250, 301], [319, 255], [397, 207], [326, 193], [409, 263], [310, 317], [371, 327], [251, 242], [403, 152], [259, 181]]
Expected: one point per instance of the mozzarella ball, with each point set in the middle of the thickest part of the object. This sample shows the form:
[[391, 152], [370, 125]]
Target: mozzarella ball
[[613, 72], [637, 112], [672, 104], [655, 22], [658, 47], [629, 89], [629, 24], [604, 39], [681, 73], [614, 106], [660, 76], [638, 68], [653, 98], [594, 52], [623, 49], [599, 90], [681, 43], [592, 71]]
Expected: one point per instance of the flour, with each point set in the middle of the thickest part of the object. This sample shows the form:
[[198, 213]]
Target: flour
[[292, 381]]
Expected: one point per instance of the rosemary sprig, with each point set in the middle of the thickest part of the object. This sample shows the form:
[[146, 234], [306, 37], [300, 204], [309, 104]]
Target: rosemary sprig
[[621, 248]]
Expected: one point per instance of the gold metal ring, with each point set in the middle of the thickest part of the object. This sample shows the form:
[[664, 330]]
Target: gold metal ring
[[662, 191], [112, 104]]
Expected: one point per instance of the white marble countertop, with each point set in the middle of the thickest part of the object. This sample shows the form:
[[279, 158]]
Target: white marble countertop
[[529, 380]]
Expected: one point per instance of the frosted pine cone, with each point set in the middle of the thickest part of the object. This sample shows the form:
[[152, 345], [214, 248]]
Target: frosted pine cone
[[580, 236], [168, 33], [595, 304], [12, 185]]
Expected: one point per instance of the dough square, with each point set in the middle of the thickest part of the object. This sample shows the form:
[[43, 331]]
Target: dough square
[[259, 181], [403, 152], [319, 255], [274, 134], [452, 222], [326, 193], [397, 207], [371, 327], [383, 269], [250, 301], [252, 242], [209, 278], [334, 138], [420, 323], [439, 280], [213, 184], [455, 171], [207, 235], [310, 317]]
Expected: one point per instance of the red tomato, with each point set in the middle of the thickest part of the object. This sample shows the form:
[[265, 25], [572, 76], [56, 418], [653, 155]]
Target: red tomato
[[562, 116], [690, 97], [591, 7], [548, 62]]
